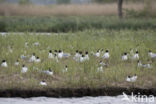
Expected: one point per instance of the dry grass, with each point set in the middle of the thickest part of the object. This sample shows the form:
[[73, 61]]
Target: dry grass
[[87, 9]]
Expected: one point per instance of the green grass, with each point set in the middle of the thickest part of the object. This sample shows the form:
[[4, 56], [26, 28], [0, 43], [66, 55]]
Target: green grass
[[72, 23], [79, 74]]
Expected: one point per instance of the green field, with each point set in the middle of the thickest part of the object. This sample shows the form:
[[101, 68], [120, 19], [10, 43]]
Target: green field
[[79, 74], [72, 23]]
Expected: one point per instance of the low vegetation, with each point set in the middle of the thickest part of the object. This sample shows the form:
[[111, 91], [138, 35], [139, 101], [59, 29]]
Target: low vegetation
[[79, 74], [72, 23]]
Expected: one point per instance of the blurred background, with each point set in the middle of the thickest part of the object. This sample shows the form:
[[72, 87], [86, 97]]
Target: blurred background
[[75, 15]]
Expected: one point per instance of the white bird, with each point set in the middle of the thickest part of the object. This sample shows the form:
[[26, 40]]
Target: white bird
[[60, 54], [65, 69], [136, 56], [66, 55], [24, 69], [50, 56], [86, 57], [23, 57], [124, 57], [43, 83], [134, 78], [97, 54], [76, 56], [36, 44], [151, 54], [106, 55], [56, 59], [48, 72], [4, 63], [148, 66], [37, 60], [100, 69], [102, 63], [139, 63], [16, 63], [82, 59], [131, 78], [33, 58]]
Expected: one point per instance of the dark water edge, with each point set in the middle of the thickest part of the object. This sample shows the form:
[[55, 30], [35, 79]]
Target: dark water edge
[[75, 92]]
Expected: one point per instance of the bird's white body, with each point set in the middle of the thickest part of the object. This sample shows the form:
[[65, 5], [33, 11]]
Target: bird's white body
[[100, 69], [152, 55], [131, 79], [139, 64], [106, 55], [50, 56], [65, 69], [32, 59], [48, 72], [97, 54], [86, 57], [82, 59], [38, 60], [124, 58], [24, 69], [135, 56], [4, 64], [16, 63], [60, 55], [43, 83]]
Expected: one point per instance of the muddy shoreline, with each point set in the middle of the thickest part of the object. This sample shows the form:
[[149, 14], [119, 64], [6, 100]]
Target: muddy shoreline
[[75, 92]]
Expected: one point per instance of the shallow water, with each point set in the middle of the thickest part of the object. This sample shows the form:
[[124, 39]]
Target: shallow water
[[82, 100]]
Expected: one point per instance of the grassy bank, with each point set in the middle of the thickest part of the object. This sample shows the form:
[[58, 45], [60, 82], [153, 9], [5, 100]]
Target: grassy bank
[[79, 75], [72, 23]]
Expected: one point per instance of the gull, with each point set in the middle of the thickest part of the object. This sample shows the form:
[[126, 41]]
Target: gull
[[23, 57], [55, 57], [151, 54], [48, 72], [36, 44], [24, 69], [66, 55], [82, 59], [100, 69], [37, 60], [65, 69], [97, 54], [17, 63], [50, 56], [76, 56], [136, 56], [131, 78], [106, 55], [86, 57], [124, 57], [4, 63], [33, 58], [43, 83], [139, 63], [60, 54]]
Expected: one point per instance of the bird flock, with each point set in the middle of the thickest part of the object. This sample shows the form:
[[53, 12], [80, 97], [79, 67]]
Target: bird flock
[[80, 57]]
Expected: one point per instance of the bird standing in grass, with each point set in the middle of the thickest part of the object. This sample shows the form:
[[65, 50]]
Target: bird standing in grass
[[65, 69], [4, 63], [17, 63], [24, 69], [151, 54], [43, 83], [124, 57], [50, 55], [33, 58], [106, 55]]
